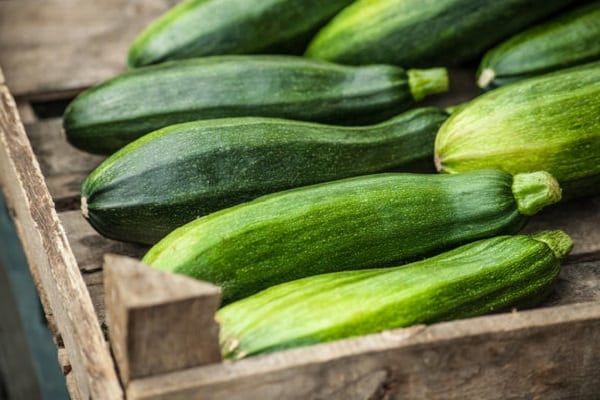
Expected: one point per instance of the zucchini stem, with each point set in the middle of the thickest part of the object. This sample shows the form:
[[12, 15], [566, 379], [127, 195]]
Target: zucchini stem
[[558, 241], [486, 77], [534, 191], [424, 82]]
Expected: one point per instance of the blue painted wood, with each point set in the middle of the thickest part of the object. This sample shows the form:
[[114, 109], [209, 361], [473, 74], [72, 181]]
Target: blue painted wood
[[46, 380]]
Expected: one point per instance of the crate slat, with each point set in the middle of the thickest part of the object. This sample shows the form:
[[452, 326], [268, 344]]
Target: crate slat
[[547, 354], [150, 309], [580, 219], [55, 155], [89, 247], [55, 48], [51, 261]]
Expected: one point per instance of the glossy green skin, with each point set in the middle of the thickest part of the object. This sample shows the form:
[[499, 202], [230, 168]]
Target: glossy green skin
[[176, 174], [199, 28], [549, 123], [361, 222], [414, 33], [477, 278], [105, 118], [570, 39]]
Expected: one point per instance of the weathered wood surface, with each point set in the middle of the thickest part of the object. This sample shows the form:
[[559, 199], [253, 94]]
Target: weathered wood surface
[[50, 259], [548, 354], [580, 219], [55, 48], [67, 369], [170, 315]]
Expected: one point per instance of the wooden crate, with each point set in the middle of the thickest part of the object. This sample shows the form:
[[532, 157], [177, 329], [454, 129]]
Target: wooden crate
[[163, 340]]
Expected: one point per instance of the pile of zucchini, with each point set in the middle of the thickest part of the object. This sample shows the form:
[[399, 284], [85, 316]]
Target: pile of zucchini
[[277, 149]]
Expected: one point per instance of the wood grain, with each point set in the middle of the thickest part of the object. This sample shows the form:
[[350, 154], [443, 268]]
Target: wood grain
[[55, 155], [158, 322], [580, 219], [89, 247], [545, 354], [55, 48], [50, 258], [63, 166]]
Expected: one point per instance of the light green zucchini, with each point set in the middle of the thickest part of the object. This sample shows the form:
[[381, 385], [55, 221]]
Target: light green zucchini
[[551, 122], [477, 278], [362, 222]]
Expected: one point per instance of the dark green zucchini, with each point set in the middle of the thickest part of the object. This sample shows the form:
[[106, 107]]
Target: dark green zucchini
[[176, 174], [477, 278], [551, 122], [362, 222], [417, 33], [105, 118], [198, 28], [570, 39]]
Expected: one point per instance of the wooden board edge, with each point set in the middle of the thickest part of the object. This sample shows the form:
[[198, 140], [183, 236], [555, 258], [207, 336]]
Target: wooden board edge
[[50, 258], [143, 311], [395, 352]]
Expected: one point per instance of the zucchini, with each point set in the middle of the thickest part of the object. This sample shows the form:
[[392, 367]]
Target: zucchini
[[105, 118], [213, 164], [198, 28], [551, 122], [570, 39], [361, 222], [424, 32], [477, 278]]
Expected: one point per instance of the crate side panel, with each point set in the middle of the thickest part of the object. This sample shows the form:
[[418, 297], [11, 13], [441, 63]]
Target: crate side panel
[[50, 258], [495, 357]]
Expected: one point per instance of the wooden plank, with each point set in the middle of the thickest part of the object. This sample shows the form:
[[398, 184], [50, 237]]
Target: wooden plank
[[95, 284], [50, 258], [26, 112], [547, 354], [150, 309], [577, 283], [63, 166], [67, 369], [66, 190], [89, 247], [55, 48], [580, 219], [55, 155]]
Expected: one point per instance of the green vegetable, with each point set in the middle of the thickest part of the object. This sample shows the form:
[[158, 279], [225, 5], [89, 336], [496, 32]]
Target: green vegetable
[[105, 118], [362, 222], [551, 123], [424, 32], [178, 173], [196, 28], [570, 39], [477, 278]]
